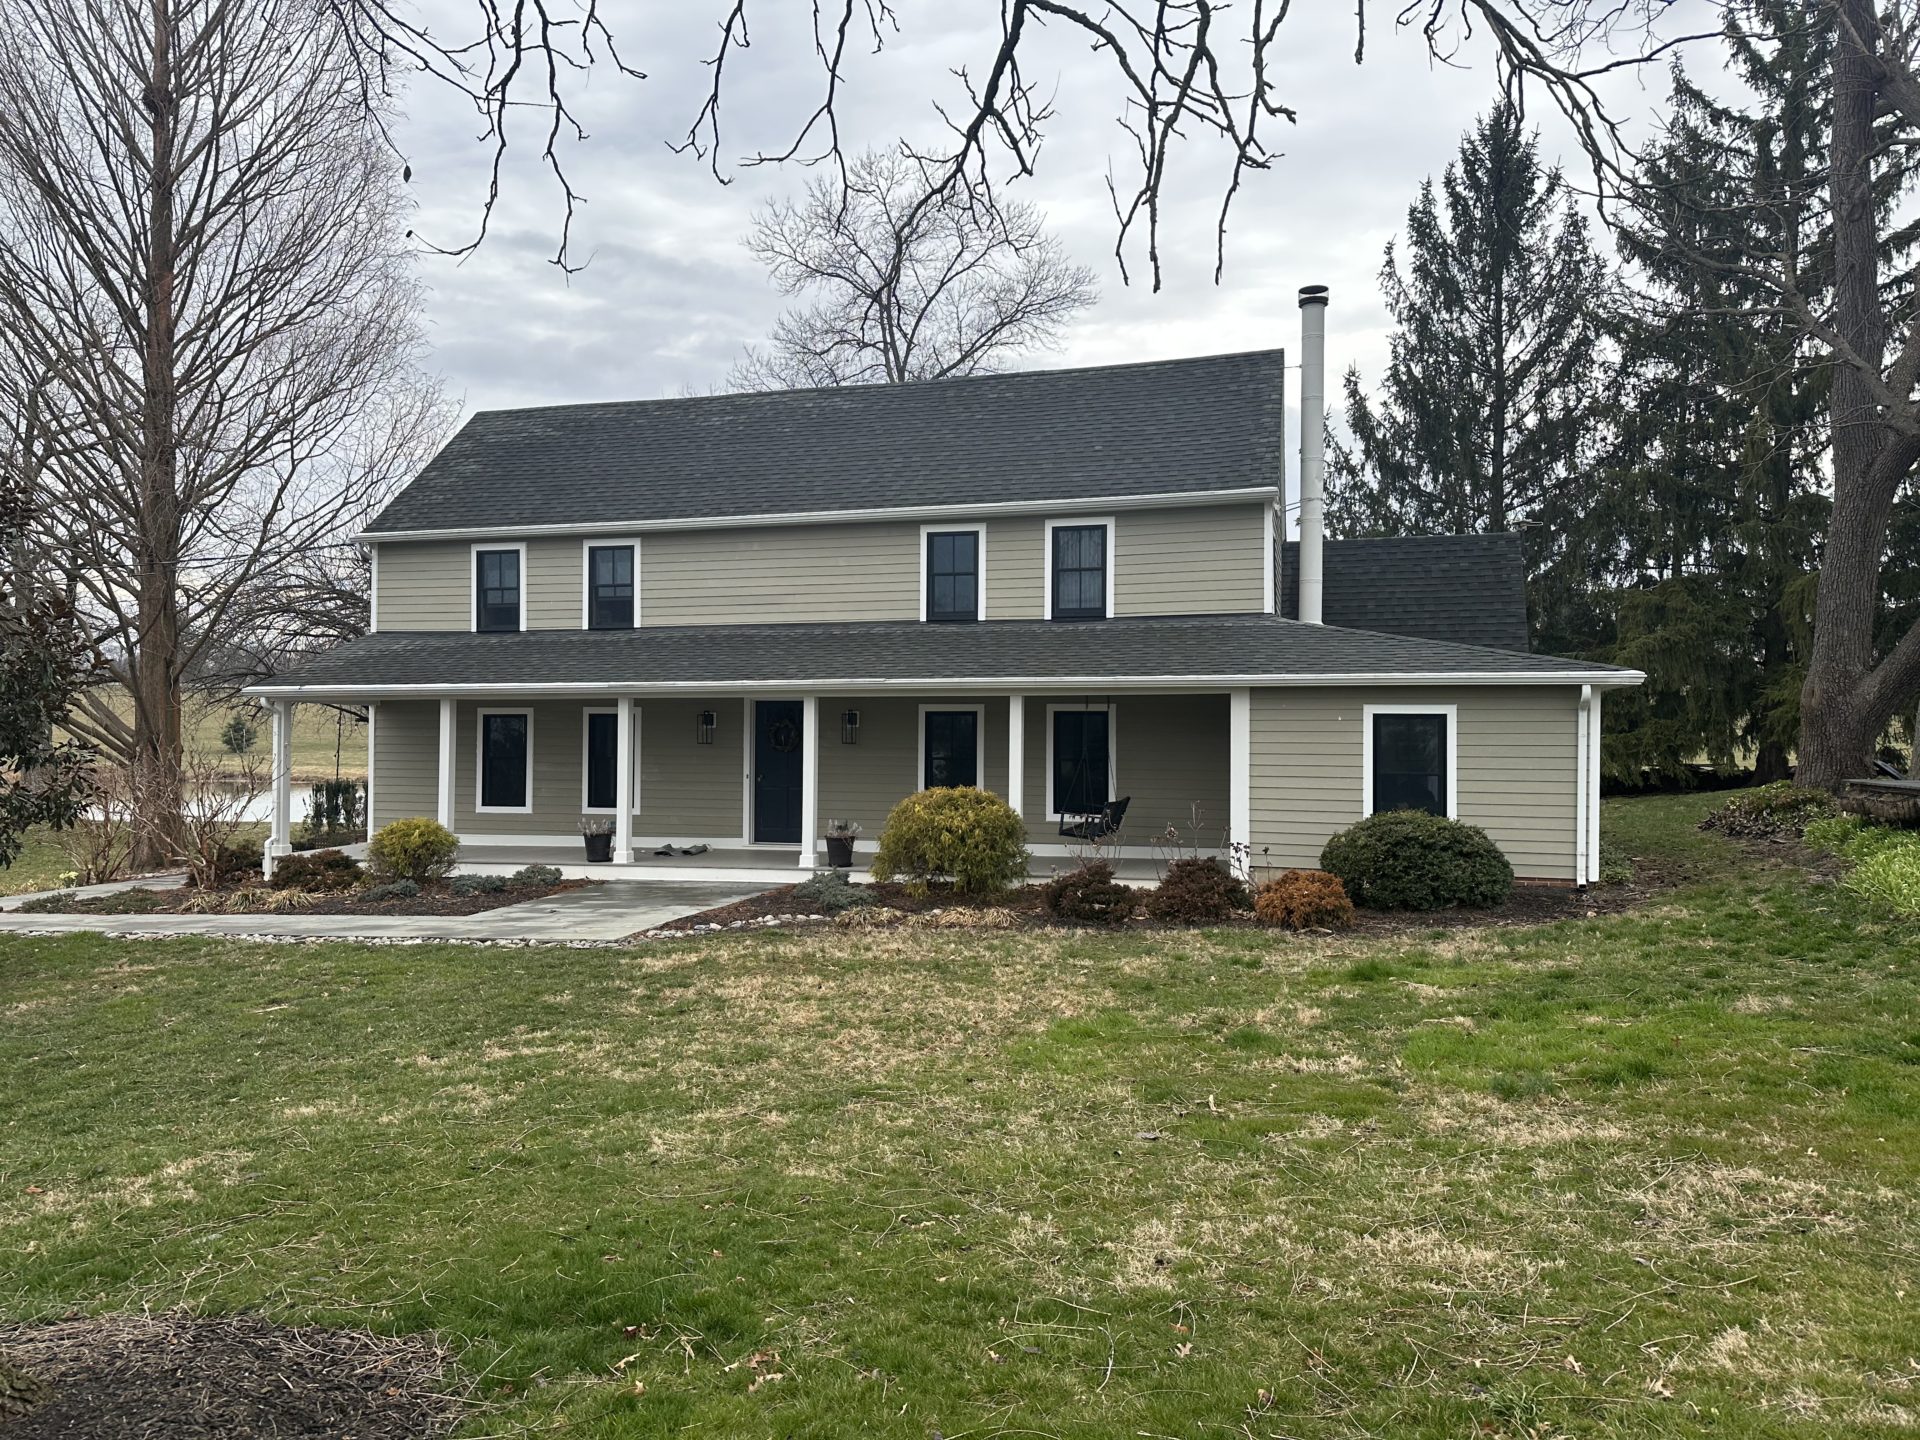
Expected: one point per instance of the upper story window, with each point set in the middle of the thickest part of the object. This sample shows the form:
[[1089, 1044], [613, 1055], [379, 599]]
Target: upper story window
[[612, 572], [1079, 569], [1410, 759], [499, 595], [953, 561]]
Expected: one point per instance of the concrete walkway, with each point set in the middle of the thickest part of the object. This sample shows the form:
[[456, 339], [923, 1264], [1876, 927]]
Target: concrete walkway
[[597, 914]]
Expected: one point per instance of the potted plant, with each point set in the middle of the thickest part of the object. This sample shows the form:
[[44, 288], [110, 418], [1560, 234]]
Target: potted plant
[[840, 837], [597, 831]]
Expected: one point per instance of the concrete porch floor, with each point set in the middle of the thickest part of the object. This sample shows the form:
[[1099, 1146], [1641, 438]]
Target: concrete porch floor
[[763, 866]]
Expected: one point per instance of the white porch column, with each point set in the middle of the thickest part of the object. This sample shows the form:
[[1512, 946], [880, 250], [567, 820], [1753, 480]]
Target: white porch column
[[1593, 790], [1017, 753], [448, 717], [1240, 780], [373, 712], [280, 832], [809, 779], [623, 783]]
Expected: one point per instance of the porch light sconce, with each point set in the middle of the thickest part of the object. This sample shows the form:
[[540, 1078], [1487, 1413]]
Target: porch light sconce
[[709, 722], [849, 727]]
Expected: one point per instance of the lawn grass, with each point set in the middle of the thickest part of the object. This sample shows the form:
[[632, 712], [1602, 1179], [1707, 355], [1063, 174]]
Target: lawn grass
[[1646, 1174]]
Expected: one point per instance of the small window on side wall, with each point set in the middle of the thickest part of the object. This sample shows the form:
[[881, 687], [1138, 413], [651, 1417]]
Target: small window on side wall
[[1410, 762], [496, 596], [610, 587]]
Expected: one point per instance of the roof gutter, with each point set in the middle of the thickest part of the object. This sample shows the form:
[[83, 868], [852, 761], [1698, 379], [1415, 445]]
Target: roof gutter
[[1156, 501]]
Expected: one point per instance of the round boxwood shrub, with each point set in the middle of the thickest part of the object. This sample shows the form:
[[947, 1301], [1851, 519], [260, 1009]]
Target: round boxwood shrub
[[419, 850], [967, 837], [1089, 896], [316, 871], [1410, 860], [1304, 900], [1197, 891]]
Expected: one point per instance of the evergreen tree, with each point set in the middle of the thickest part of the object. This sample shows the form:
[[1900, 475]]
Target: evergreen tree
[[1488, 414]]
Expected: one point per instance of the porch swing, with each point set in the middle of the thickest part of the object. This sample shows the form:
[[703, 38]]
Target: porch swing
[[1105, 822]]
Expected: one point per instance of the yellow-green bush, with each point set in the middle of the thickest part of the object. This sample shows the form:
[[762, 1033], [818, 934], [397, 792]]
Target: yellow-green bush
[[418, 850], [967, 837], [1890, 875]]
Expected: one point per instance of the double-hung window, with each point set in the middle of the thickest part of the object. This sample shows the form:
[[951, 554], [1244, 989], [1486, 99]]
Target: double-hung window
[[506, 761], [496, 589], [1079, 570], [1410, 760], [953, 564], [611, 575]]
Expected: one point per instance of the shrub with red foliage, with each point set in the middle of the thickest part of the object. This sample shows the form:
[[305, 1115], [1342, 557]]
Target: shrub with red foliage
[[1304, 900]]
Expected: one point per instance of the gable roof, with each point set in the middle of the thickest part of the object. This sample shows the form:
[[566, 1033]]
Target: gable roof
[[1466, 589], [1099, 656], [1160, 427]]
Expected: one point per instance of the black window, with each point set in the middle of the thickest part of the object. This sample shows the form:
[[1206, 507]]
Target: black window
[[1079, 572], [953, 575], [953, 748], [496, 576], [610, 587], [1082, 761], [1410, 763], [503, 762], [603, 759]]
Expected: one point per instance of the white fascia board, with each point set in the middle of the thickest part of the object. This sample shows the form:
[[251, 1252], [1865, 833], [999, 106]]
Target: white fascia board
[[943, 684], [1158, 501]]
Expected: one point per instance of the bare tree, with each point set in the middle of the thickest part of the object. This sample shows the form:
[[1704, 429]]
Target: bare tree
[[905, 291], [203, 281]]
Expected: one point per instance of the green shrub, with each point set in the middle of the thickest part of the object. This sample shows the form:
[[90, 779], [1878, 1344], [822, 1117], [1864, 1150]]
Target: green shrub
[[478, 884], [1090, 896], [1409, 860], [1615, 869], [1304, 900], [316, 871], [238, 862], [419, 850], [830, 893], [59, 902], [967, 837], [392, 890], [1832, 834], [1197, 891], [1890, 876], [528, 877], [1770, 812]]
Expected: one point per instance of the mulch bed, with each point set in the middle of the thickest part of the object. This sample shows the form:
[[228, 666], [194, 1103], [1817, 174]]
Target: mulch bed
[[432, 900], [180, 1377]]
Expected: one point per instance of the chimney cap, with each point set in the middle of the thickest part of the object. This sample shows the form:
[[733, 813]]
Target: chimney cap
[[1313, 294]]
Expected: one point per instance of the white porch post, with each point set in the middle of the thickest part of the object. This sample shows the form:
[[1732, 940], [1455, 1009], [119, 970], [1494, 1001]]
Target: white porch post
[[280, 833], [623, 783], [1593, 790], [809, 779], [1240, 779], [448, 717], [1017, 754]]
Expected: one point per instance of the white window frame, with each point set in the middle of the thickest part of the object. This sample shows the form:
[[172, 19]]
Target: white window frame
[[1046, 576], [1451, 714], [980, 580], [979, 743], [473, 580], [480, 755], [586, 729], [1113, 750], [607, 542]]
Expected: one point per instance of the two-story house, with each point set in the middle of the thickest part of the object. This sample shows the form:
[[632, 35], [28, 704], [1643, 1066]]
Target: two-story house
[[721, 620]]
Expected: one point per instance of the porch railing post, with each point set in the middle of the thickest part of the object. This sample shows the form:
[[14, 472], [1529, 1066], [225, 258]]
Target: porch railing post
[[280, 832], [623, 783], [809, 779]]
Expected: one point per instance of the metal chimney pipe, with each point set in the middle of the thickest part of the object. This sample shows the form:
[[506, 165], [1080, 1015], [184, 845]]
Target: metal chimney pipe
[[1313, 447]]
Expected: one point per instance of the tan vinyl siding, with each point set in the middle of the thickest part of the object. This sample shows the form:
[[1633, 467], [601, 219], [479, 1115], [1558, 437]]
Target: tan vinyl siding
[[1197, 560], [1170, 756], [1016, 562], [778, 574], [690, 791], [556, 584], [406, 760], [424, 585], [1516, 755]]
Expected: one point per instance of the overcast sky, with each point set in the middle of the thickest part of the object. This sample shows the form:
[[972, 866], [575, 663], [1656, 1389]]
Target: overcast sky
[[669, 295]]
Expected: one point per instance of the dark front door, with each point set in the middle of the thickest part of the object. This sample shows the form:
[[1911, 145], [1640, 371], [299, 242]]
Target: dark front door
[[776, 771]]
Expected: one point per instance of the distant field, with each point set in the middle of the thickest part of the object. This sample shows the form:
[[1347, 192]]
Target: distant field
[[314, 738]]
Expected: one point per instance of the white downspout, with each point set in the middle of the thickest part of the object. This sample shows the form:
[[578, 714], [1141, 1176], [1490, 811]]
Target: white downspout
[[1581, 801], [1594, 736], [1313, 447]]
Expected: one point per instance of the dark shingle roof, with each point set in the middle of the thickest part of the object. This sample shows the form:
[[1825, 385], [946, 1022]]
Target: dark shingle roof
[[1165, 426], [1465, 589], [1202, 647]]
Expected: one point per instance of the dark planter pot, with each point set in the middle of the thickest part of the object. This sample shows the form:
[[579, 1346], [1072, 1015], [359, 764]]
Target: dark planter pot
[[840, 851], [599, 848]]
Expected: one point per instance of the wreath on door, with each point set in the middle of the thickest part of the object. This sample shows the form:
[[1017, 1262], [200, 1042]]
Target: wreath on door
[[784, 736]]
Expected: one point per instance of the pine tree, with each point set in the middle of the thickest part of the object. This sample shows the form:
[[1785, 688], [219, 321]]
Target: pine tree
[[1488, 415]]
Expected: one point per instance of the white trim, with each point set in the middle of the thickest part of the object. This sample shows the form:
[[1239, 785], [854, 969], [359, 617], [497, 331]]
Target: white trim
[[372, 707], [1017, 753], [1046, 560], [1113, 752], [1451, 713], [280, 829], [1580, 712], [749, 717], [473, 580], [980, 578], [590, 544], [479, 760], [444, 777], [1240, 773], [1159, 500], [809, 780], [984, 685], [373, 590], [979, 744], [1270, 564], [1596, 735], [585, 808]]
